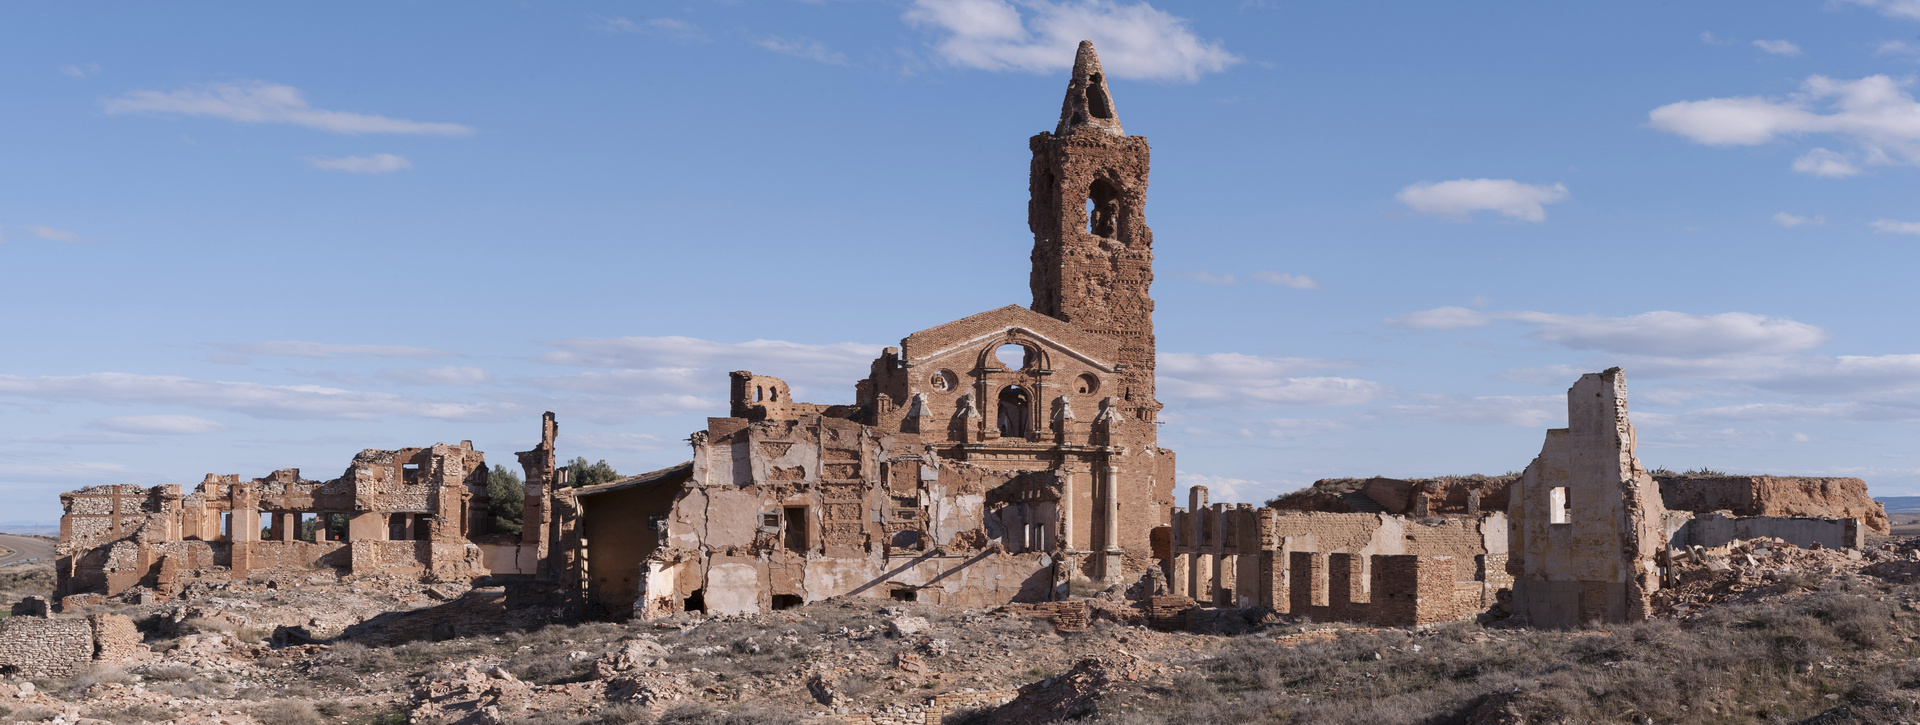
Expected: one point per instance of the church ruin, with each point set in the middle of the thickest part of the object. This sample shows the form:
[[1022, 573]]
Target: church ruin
[[1008, 456]]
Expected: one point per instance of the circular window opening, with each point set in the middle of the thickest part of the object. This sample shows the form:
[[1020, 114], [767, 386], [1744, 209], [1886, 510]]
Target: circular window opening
[[943, 381], [1086, 385], [1013, 357]]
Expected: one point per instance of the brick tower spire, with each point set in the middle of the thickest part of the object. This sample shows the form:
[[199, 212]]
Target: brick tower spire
[[1092, 250]]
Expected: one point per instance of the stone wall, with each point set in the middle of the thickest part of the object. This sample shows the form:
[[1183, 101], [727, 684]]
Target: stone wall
[[1784, 496], [36, 647], [1718, 529]]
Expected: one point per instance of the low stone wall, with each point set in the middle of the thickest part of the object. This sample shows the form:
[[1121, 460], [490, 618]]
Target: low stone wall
[[35, 647], [1718, 529], [935, 710], [1068, 616]]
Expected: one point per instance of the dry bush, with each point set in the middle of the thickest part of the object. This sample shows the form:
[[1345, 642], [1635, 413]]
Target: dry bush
[[170, 672], [35, 713], [287, 712], [142, 712], [1733, 664], [703, 714]]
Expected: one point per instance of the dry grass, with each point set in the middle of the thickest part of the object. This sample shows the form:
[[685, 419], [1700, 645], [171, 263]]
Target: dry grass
[[287, 712], [1761, 663]]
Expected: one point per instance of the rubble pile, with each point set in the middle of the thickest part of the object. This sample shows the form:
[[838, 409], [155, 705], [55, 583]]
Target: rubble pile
[[1746, 571]]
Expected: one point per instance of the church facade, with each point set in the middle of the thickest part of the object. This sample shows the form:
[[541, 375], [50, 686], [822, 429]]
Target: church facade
[[1007, 456]]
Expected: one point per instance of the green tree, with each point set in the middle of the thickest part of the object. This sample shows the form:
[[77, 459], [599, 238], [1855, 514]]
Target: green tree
[[507, 500], [581, 473]]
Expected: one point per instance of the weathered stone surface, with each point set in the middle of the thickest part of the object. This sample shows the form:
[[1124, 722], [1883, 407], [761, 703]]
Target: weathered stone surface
[[1835, 498]]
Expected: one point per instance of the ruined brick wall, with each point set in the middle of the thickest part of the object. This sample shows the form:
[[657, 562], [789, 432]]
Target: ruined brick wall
[[1788, 496], [1586, 518], [35, 647]]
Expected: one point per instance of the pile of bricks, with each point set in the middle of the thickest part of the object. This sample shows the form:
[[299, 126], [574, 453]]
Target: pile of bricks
[[1166, 612], [1069, 616]]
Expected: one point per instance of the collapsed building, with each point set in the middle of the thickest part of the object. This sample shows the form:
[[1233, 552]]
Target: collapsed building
[[1583, 534], [1007, 456], [407, 512]]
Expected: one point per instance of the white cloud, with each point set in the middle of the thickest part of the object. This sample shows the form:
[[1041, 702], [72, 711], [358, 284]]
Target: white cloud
[[1238, 380], [1904, 9], [1460, 198], [1442, 318], [1655, 333], [1874, 114], [1296, 281], [1222, 489], [367, 164], [807, 48], [1892, 226], [1675, 333], [295, 348], [160, 424], [1707, 36], [614, 441], [262, 102], [55, 235], [1204, 277], [1897, 48], [1135, 40], [1529, 411], [1826, 163], [255, 399], [1778, 47], [1789, 220], [80, 71], [449, 375], [678, 30]]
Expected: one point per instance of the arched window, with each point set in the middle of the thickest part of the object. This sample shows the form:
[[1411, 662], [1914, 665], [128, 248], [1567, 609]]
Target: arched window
[[1015, 411], [1103, 209], [1097, 102], [1013, 357]]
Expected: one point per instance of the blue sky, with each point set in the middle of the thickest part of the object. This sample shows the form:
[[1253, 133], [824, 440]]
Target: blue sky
[[1389, 235]]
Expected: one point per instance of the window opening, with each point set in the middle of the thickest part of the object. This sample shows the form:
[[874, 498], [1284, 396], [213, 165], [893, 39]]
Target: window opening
[[337, 527], [1014, 412], [1097, 102], [904, 595], [226, 526], [1086, 385], [397, 527], [1558, 507], [266, 525], [410, 472], [787, 601], [759, 393], [1013, 357], [795, 537], [908, 539], [422, 527], [769, 519], [306, 526], [1103, 206]]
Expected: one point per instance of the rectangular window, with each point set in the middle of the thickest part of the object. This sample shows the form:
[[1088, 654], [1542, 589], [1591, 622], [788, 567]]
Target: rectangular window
[[1558, 508], [769, 520], [410, 473], [796, 534]]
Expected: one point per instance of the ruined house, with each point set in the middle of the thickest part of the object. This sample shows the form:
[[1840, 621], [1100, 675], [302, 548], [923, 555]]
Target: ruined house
[[1006, 456], [408, 512], [1590, 534], [1376, 567]]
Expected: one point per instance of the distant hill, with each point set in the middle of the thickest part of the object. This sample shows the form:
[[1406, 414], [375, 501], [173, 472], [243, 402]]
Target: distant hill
[[1900, 504]]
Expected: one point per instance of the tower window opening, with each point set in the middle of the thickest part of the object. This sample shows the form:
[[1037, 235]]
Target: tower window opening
[[1558, 509], [759, 394], [1097, 102], [1014, 412], [1103, 209]]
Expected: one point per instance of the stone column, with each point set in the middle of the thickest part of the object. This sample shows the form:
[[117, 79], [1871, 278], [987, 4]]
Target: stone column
[[1066, 509], [1111, 571], [1201, 565]]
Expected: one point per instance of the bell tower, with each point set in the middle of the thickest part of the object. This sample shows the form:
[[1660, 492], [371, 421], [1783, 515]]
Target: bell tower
[[1092, 250]]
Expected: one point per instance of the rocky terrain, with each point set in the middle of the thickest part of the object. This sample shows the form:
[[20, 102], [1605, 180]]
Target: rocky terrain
[[1753, 632]]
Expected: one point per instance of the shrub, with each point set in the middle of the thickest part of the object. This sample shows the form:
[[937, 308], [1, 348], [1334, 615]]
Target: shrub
[[287, 712]]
